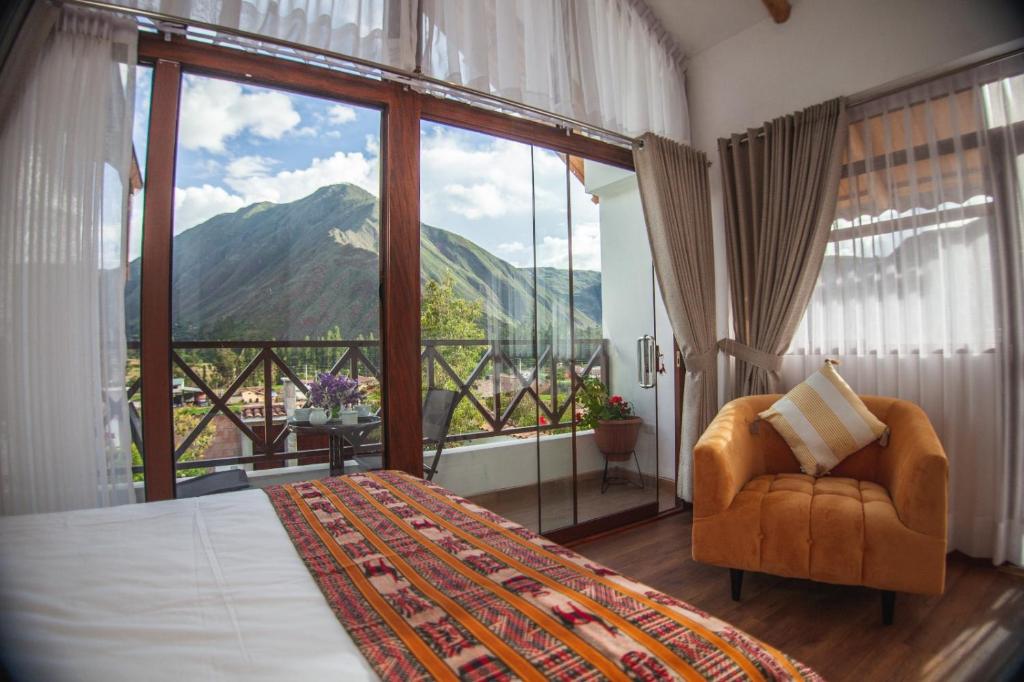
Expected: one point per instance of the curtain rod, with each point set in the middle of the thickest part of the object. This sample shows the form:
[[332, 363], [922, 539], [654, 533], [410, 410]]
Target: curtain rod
[[410, 78], [996, 54]]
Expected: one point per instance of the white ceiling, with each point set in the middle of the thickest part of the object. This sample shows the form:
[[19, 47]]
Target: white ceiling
[[698, 24]]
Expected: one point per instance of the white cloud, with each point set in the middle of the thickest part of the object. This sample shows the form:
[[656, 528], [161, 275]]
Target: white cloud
[[245, 166], [251, 181], [477, 201], [586, 249], [511, 247], [214, 110], [193, 205], [373, 145], [354, 168], [471, 179], [340, 114], [305, 131]]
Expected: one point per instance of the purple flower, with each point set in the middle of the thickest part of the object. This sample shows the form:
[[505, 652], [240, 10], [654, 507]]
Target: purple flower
[[329, 391]]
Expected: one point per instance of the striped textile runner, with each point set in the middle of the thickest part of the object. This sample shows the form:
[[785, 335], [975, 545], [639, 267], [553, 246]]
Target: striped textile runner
[[432, 586]]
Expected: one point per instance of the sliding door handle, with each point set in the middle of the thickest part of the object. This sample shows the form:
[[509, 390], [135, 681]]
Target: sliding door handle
[[646, 361]]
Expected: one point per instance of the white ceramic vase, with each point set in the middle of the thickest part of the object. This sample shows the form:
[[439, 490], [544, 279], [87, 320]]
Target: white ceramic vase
[[318, 416]]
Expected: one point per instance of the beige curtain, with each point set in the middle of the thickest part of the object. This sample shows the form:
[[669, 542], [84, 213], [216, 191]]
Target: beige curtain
[[673, 182], [780, 196]]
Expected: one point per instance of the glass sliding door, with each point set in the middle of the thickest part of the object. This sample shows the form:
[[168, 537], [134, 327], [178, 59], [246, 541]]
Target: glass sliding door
[[275, 281], [614, 331], [479, 314], [536, 277]]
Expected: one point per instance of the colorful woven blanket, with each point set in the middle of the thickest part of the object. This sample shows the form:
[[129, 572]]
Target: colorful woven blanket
[[431, 586]]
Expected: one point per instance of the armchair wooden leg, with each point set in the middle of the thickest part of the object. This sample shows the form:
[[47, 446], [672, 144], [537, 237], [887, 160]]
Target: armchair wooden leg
[[736, 580], [888, 606]]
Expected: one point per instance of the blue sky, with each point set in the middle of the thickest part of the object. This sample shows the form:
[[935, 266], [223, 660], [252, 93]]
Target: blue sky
[[240, 144]]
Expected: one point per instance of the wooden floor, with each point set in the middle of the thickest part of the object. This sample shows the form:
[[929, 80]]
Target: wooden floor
[[975, 631], [555, 504]]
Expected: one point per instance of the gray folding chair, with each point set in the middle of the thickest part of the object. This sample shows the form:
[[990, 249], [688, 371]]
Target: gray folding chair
[[438, 409], [211, 484]]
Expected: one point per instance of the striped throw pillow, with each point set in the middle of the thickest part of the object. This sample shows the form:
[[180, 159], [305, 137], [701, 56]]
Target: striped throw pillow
[[823, 421]]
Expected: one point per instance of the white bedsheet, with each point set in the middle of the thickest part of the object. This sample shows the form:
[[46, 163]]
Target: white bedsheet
[[208, 588]]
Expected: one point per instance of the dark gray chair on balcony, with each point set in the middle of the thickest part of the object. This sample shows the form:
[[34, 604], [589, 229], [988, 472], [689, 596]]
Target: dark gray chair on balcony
[[211, 484], [438, 409]]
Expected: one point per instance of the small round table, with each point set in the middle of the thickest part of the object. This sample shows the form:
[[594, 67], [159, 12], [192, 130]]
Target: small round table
[[340, 437]]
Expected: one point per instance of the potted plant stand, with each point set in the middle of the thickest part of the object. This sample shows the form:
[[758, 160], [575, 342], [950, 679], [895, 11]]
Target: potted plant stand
[[616, 439]]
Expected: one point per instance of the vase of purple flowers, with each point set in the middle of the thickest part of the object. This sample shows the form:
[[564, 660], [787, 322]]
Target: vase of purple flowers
[[335, 395]]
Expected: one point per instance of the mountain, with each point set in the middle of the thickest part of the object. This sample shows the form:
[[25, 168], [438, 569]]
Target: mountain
[[299, 269]]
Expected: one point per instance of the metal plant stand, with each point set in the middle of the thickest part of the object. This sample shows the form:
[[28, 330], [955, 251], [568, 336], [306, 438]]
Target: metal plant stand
[[607, 480]]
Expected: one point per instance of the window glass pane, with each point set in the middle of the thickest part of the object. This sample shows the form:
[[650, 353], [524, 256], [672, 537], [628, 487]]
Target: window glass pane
[[478, 313], [276, 279]]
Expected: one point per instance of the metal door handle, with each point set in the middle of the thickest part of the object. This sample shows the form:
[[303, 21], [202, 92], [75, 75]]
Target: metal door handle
[[646, 361]]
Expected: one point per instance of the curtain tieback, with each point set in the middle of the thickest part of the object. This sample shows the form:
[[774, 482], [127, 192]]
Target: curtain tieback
[[701, 362], [750, 355]]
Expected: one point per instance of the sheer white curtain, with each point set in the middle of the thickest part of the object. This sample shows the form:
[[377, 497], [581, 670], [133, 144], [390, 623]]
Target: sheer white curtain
[[604, 62], [65, 149], [920, 293], [383, 31]]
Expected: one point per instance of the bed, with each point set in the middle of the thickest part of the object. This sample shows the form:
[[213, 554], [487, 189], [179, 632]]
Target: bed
[[366, 576]]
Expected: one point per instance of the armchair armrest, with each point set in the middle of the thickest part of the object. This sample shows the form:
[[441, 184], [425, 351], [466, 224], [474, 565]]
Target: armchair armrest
[[725, 458], [915, 470]]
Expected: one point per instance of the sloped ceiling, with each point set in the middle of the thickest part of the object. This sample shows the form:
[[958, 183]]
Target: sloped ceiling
[[696, 25]]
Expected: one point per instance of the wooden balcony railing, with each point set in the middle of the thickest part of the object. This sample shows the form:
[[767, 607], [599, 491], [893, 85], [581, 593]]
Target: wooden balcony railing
[[495, 387]]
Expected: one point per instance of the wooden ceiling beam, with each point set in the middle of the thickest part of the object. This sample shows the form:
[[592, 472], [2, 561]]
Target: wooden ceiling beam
[[779, 9]]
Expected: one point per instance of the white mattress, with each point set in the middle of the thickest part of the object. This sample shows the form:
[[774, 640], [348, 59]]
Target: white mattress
[[208, 588]]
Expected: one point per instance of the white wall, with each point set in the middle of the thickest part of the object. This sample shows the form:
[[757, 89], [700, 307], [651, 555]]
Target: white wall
[[632, 306], [826, 49]]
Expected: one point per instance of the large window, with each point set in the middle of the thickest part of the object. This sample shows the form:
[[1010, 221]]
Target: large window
[[282, 218]]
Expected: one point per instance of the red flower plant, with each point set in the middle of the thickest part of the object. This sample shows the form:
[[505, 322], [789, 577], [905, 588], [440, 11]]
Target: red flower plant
[[615, 399], [543, 421]]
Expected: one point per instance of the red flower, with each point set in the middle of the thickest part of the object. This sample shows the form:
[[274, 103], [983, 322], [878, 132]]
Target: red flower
[[615, 399], [579, 415], [543, 421]]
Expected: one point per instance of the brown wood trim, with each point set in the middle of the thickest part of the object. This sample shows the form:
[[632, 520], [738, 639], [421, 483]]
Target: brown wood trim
[[587, 529], [522, 130], [400, 299], [155, 298], [262, 69]]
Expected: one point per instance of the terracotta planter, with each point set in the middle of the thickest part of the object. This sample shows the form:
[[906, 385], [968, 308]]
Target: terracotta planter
[[616, 438]]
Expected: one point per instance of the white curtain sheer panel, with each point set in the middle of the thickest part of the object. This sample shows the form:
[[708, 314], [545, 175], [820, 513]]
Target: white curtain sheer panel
[[607, 63], [65, 149], [920, 293]]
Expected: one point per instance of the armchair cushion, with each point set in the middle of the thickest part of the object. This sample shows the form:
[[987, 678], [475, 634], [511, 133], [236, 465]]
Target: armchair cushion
[[823, 421], [835, 530]]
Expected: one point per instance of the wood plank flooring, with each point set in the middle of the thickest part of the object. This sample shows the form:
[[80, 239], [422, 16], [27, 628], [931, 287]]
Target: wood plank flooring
[[521, 504], [975, 631]]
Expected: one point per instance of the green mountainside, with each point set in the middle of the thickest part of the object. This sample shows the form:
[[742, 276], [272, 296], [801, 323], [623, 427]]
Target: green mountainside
[[297, 270]]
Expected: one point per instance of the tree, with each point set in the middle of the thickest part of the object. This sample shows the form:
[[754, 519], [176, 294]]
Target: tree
[[443, 315], [185, 420]]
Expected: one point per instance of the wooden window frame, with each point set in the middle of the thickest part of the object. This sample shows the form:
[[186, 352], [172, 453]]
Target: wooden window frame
[[402, 111]]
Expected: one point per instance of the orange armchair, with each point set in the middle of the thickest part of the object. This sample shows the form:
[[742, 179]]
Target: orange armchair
[[878, 519]]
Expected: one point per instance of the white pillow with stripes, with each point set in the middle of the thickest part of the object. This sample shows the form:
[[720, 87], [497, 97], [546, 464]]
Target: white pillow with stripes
[[823, 421]]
